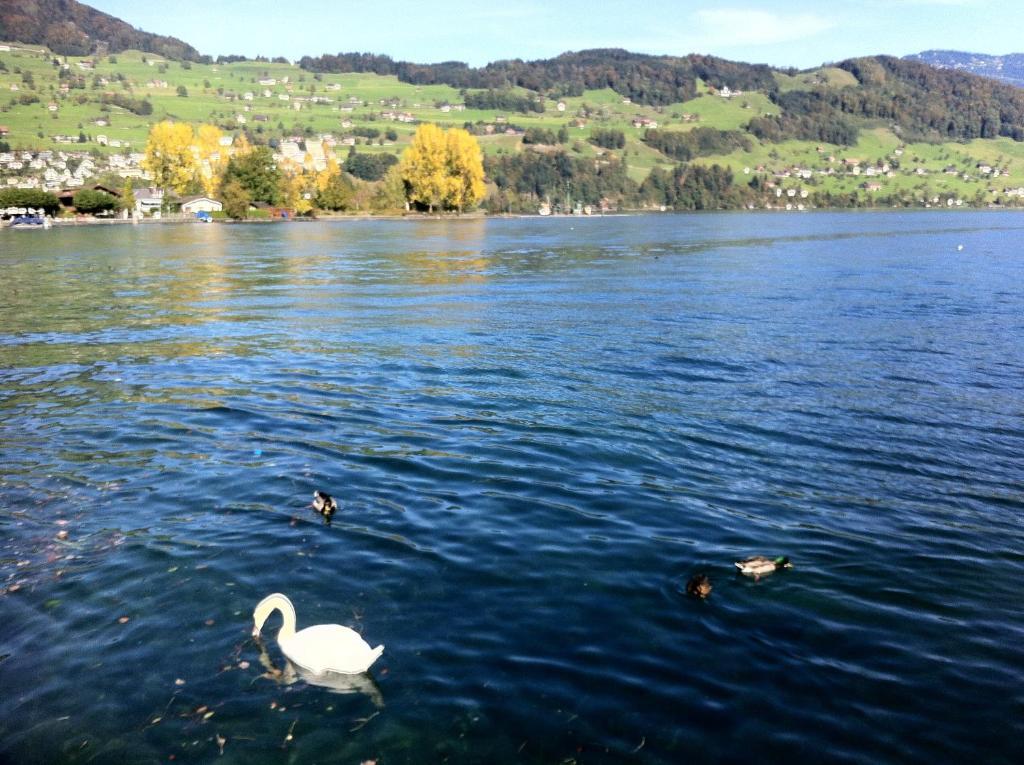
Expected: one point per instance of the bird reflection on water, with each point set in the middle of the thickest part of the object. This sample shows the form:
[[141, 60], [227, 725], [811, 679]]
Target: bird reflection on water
[[289, 674]]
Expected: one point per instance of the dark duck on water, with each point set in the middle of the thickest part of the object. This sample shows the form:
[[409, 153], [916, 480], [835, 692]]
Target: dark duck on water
[[699, 586], [324, 504]]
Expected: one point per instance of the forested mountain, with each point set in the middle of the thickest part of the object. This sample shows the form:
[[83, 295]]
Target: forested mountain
[[73, 29], [1009, 68], [919, 103], [933, 104], [652, 80]]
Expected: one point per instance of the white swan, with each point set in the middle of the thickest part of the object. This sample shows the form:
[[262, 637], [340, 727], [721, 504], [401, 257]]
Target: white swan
[[320, 648]]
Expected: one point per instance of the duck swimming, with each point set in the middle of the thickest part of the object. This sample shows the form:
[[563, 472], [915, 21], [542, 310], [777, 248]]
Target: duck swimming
[[324, 504], [699, 586], [761, 565]]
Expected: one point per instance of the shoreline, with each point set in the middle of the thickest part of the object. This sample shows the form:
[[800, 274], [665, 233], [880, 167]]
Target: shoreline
[[422, 217]]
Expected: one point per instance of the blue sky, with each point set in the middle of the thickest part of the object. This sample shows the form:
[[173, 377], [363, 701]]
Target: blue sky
[[800, 34]]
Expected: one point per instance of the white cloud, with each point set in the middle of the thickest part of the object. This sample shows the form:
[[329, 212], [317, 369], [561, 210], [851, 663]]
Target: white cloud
[[743, 26]]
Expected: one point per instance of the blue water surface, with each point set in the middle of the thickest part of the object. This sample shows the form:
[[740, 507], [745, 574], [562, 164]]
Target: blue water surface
[[537, 430]]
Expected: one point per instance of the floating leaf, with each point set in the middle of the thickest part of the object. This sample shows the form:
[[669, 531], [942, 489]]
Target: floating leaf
[[179, 681], [123, 620], [208, 715], [243, 665]]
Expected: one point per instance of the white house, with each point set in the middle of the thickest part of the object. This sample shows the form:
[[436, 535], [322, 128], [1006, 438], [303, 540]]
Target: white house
[[148, 201], [193, 205]]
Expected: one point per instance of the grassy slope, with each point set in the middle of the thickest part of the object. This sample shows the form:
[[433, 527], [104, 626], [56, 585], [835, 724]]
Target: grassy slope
[[603, 109]]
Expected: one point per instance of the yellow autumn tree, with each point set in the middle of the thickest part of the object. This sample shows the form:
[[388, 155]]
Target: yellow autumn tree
[[443, 169], [241, 146], [424, 166], [168, 157], [298, 188], [210, 156], [328, 174], [465, 177]]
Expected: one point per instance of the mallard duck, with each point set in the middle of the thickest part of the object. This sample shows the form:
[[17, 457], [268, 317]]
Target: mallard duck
[[324, 503], [761, 565], [699, 586], [317, 649]]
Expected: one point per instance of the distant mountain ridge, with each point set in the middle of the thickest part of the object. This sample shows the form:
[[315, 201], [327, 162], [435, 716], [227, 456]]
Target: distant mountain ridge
[[70, 28], [1008, 68], [646, 79]]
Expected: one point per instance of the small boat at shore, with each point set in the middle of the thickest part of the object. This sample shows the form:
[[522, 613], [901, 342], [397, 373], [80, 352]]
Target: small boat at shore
[[29, 222]]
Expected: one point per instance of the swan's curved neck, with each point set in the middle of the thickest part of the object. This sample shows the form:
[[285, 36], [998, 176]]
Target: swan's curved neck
[[267, 606]]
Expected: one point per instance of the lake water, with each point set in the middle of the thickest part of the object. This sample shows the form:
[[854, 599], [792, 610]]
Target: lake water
[[537, 430]]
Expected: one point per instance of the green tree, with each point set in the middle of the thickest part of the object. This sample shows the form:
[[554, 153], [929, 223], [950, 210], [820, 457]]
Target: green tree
[[33, 198], [236, 200], [608, 139], [90, 201], [369, 167], [337, 194], [391, 193], [127, 200], [257, 173]]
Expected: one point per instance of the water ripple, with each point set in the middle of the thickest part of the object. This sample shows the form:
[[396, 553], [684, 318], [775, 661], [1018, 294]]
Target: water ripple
[[537, 431]]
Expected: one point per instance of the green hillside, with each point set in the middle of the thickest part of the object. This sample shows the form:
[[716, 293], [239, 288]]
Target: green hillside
[[43, 96]]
